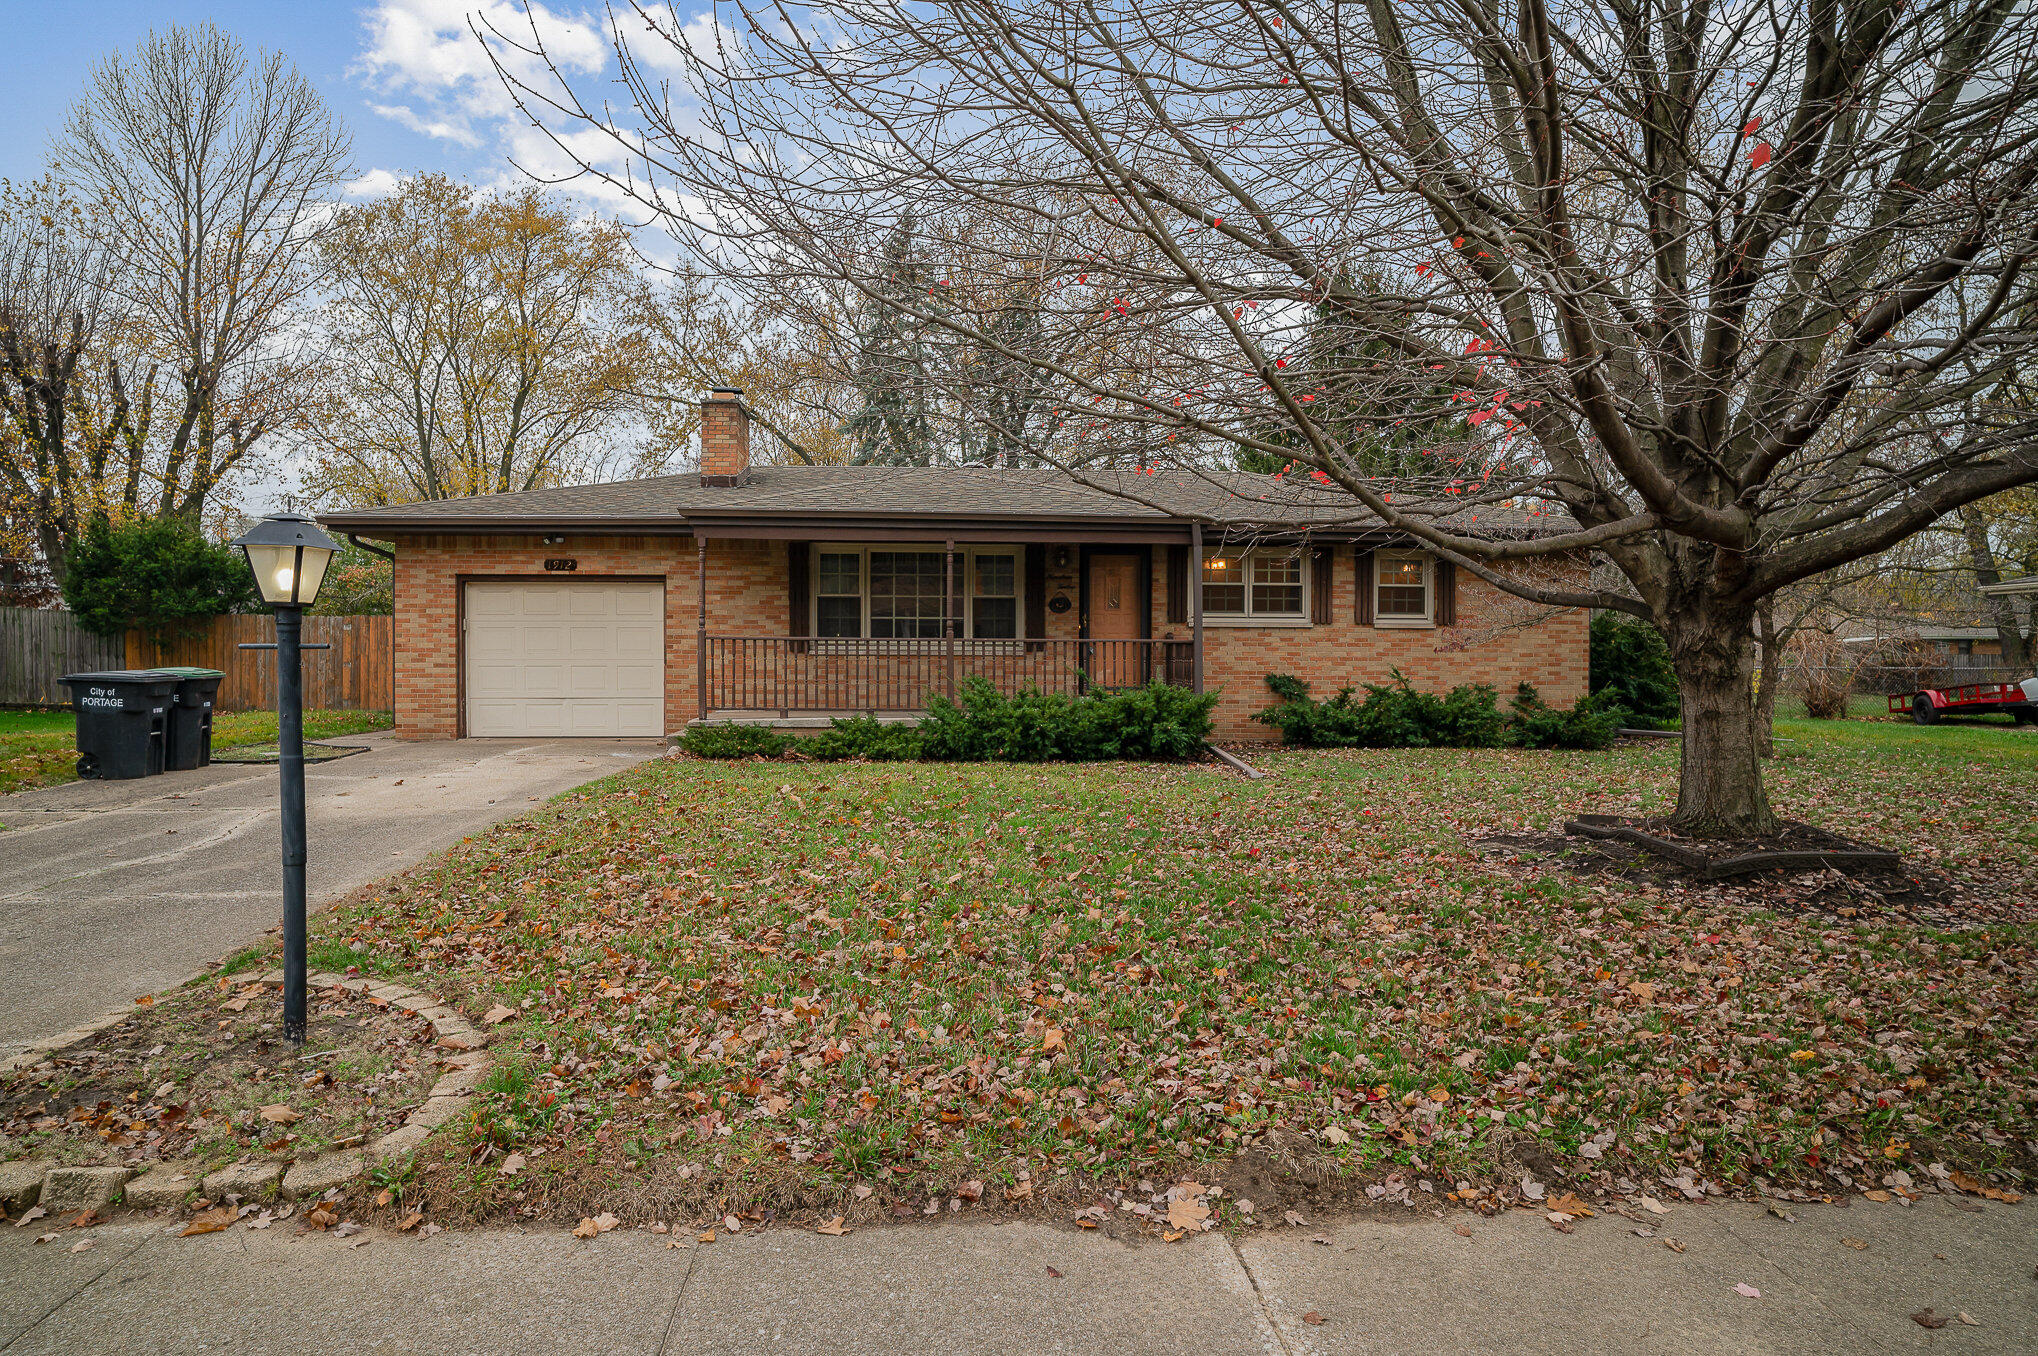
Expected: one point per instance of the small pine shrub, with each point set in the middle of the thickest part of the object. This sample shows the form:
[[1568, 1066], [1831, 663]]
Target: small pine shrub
[[1591, 723], [1155, 721], [865, 737], [734, 741], [1631, 661], [1396, 716], [1390, 716]]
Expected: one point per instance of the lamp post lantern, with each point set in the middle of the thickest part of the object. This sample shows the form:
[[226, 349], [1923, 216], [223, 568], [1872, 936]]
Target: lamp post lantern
[[289, 554]]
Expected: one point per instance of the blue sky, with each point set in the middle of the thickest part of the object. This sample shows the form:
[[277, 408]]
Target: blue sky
[[407, 77], [412, 86]]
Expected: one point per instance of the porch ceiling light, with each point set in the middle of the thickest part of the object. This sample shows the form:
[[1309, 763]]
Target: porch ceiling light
[[288, 553]]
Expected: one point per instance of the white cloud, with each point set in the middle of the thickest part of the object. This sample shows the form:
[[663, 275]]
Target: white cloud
[[427, 52], [456, 130], [375, 183]]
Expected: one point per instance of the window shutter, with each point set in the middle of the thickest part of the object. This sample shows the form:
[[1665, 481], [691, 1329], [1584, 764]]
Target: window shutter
[[1319, 599], [799, 578], [1362, 610], [957, 568], [1444, 609], [1178, 585], [1036, 592]]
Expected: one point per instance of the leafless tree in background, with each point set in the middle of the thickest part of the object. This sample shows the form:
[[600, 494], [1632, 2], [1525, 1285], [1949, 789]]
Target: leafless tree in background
[[206, 179], [1721, 290]]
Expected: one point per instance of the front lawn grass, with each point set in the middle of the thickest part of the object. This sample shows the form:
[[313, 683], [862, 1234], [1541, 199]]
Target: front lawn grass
[[38, 748], [802, 985]]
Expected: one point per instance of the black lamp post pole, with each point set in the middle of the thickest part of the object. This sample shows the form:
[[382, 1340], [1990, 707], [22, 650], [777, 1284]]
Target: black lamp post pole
[[290, 767]]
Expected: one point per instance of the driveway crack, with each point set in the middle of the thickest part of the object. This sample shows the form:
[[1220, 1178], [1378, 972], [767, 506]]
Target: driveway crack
[[672, 1319], [1266, 1310], [82, 1287]]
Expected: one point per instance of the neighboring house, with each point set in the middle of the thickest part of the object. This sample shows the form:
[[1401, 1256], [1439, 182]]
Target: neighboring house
[[786, 595], [1935, 642]]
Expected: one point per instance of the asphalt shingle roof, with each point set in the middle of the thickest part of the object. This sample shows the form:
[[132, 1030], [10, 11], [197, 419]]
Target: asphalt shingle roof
[[906, 492]]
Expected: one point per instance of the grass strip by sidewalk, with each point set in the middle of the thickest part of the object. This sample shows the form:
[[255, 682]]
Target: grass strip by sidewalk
[[37, 748], [778, 984]]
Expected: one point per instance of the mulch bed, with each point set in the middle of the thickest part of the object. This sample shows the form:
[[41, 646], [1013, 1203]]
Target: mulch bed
[[206, 1075], [1818, 871]]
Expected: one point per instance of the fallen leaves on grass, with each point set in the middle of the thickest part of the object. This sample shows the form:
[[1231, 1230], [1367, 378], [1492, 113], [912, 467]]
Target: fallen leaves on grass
[[597, 1224], [498, 1014], [930, 974], [279, 1114]]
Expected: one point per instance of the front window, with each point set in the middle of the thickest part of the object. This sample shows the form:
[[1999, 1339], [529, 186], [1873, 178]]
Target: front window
[[838, 594], [1266, 583], [1277, 584], [1224, 583], [895, 594], [905, 594], [994, 605], [1403, 584]]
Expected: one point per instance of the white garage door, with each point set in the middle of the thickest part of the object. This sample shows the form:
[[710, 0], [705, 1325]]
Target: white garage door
[[559, 657]]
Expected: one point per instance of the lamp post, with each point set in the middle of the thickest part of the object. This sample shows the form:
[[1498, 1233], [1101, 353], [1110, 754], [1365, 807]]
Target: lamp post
[[289, 554]]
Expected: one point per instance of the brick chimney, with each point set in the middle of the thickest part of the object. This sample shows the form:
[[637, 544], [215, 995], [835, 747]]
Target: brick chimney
[[725, 438]]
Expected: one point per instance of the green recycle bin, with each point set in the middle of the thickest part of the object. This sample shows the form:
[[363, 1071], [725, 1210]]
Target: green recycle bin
[[188, 741]]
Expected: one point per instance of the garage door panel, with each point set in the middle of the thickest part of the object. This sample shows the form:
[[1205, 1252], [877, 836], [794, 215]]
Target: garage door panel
[[640, 644], [647, 605], [560, 658]]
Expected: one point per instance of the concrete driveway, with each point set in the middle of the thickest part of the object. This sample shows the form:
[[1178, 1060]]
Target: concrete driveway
[[110, 890]]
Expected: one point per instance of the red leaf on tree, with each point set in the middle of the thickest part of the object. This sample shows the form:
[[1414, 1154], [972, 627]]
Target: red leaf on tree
[[1761, 155], [1749, 130]]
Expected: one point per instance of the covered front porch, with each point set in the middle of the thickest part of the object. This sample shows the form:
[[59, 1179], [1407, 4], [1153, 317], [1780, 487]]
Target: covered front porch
[[879, 621]]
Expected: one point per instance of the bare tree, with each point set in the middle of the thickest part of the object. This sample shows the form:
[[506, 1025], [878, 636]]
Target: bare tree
[[1697, 280], [74, 444], [206, 180], [475, 344]]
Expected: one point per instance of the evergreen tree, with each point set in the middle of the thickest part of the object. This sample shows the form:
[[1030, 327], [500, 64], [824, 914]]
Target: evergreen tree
[[894, 424], [1376, 429]]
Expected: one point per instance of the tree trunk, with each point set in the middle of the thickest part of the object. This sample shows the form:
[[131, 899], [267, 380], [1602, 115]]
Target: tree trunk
[[1719, 785], [1772, 675]]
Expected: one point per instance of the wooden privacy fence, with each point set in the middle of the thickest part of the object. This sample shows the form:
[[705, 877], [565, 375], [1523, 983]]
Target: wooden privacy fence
[[38, 647], [354, 675]]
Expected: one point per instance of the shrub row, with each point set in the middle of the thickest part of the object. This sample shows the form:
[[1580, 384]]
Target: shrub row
[[1396, 716], [984, 725]]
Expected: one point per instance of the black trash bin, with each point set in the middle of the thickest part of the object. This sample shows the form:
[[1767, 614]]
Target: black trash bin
[[123, 721], [189, 741]]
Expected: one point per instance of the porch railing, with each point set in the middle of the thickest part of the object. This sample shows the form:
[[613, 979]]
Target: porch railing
[[797, 674]]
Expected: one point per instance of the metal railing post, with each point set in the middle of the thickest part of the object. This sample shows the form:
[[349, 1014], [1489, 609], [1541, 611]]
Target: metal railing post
[[948, 615], [700, 642], [1196, 606]]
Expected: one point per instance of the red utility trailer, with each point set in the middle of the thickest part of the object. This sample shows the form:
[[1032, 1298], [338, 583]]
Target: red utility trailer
[[1974, 699]]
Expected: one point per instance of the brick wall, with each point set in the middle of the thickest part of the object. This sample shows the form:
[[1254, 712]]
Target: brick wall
[[1498, 639], [746, 594], [1502, 642]]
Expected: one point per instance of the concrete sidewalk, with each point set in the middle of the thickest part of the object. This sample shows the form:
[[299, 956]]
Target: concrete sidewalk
[[1377, 1285], [110, 890]]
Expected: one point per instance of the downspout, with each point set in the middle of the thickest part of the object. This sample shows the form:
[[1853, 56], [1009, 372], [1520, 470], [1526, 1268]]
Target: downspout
[[371, 548]]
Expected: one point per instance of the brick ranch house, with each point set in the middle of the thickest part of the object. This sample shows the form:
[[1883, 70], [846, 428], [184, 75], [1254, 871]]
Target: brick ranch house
[[786, 595]]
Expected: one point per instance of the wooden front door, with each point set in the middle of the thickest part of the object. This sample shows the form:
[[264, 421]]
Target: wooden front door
[[1115, 616]]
